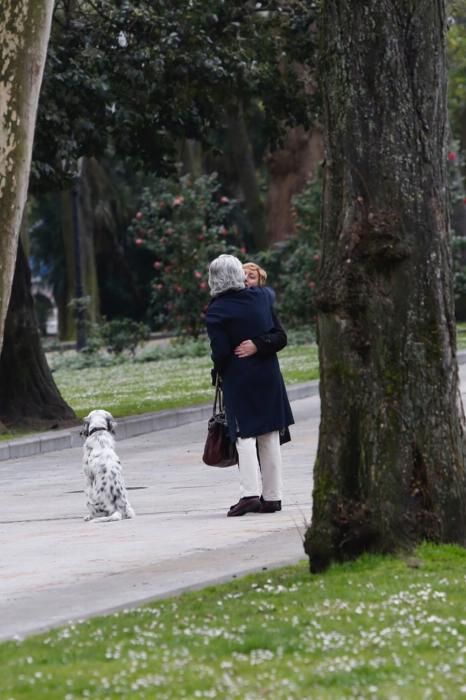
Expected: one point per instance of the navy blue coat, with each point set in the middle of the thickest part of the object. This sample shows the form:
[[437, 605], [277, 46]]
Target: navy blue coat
[[255, 396]]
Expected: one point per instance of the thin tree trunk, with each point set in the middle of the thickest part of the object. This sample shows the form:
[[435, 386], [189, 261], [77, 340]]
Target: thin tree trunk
[[290, 169], [66, 318], [29, 395], [390, 467], [246, 173], [87, 209], [110, 280], [24, 34], [191, 157]]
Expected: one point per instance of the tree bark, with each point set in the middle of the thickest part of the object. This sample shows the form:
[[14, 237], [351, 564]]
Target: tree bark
[[390, 468], [24, 35], [29, 395]]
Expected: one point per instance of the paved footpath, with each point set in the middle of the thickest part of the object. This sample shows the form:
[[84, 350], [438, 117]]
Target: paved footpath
[[54, 567]]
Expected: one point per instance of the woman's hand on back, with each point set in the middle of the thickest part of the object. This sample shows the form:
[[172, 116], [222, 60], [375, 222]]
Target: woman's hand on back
[[245, 349]]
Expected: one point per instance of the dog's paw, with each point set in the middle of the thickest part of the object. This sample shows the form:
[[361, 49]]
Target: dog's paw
[[87, 518], [115, 516]]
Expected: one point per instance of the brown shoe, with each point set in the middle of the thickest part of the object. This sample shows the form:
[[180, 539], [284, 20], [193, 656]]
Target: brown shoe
[[269, 506], [249, 504]]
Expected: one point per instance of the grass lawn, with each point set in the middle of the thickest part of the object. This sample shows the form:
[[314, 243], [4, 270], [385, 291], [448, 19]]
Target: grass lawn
[[376, 628], [131, 388]]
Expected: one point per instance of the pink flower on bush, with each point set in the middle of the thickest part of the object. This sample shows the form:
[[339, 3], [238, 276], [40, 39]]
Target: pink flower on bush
[[317, 256], [139, 215], [139, 241], [197, 274], [202, 285], [178, 289], [157, 264], [178, 201], [224, 200], [223, 231], [451, 155], [311, 284]]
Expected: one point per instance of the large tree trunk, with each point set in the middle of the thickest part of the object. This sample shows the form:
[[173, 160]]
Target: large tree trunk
[[24, 35], [28, 395], [390, 467]]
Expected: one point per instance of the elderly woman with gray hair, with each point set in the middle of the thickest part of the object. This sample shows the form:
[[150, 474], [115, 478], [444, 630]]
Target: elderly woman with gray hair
[[256, 402]]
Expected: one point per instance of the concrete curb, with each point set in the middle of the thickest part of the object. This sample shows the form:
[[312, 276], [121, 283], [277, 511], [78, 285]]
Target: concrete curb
[[127, 427]]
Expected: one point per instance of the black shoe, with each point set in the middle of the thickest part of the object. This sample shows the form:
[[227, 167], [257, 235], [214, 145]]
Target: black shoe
[[249, 504], [269, 506]]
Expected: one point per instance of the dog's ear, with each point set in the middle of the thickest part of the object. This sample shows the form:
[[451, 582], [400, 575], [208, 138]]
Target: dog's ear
[[85, 429], [111, 424]]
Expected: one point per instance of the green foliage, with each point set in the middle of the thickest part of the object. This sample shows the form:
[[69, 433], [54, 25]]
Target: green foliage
[[457, 201], [178, 348], [292, 267], [184, 224], [123, 334], [380, 627], [456, 44], [140, 75]]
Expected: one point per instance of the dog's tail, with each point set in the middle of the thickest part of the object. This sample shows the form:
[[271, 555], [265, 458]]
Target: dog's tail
[[107, 518]]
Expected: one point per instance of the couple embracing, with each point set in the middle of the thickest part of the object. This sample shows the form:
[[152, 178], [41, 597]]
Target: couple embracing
[[245, 336]]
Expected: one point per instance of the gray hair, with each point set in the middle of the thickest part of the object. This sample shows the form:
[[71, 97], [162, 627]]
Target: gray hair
[[225, 272]]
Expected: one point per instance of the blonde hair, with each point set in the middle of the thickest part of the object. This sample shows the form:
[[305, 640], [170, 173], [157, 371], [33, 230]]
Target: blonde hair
[[251, 266]]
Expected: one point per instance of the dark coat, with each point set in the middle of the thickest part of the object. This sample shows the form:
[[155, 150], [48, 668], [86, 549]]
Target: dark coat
[[255, 396], [273, 341]]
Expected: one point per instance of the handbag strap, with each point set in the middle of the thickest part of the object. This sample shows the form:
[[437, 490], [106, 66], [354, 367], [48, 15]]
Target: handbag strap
[[218, 396]]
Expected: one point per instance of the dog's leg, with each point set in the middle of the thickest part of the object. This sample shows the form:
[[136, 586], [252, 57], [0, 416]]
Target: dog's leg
[[128, 512]]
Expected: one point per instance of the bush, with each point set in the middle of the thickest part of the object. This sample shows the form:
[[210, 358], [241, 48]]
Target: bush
[[185, 224], [292, 266], [123, 334]]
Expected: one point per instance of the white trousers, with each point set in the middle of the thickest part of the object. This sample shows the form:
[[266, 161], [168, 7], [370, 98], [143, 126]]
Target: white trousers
[[269, 471]]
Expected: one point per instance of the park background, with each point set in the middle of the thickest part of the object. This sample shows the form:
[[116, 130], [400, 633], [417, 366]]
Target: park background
[[167, 133]]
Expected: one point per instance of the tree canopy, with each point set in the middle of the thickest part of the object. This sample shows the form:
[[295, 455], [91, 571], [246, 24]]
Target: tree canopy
[[138, 75]]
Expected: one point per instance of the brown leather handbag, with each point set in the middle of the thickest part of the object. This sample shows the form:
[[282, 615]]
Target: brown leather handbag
[[219, 450]]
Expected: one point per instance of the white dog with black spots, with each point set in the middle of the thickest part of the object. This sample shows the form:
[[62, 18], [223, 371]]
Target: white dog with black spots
[[107, 499]]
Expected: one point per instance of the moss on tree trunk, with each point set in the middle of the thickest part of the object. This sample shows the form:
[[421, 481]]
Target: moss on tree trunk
[[24, 33], [390, 466]]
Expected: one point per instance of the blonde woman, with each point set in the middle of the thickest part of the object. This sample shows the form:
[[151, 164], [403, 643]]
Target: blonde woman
[[267, 343]]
